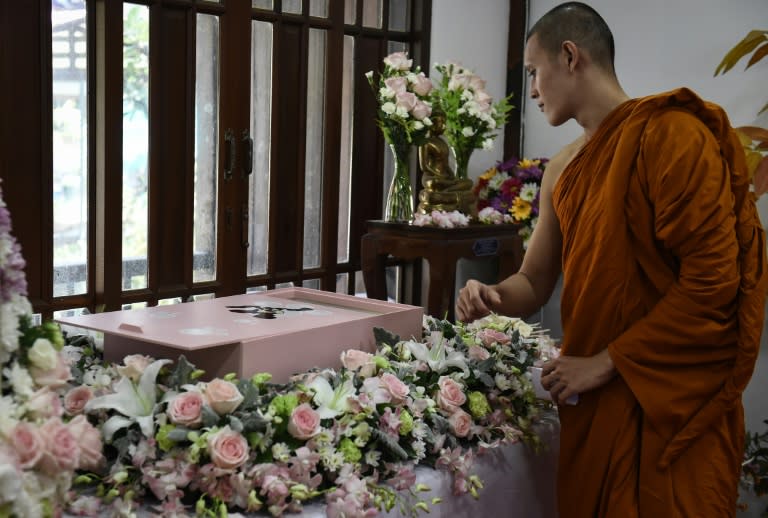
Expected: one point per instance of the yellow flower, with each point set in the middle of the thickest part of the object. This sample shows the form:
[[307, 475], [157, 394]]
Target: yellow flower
[[490, 173], [525, 163], [521, 209]]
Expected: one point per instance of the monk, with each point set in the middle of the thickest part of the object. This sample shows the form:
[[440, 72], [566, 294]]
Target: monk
[[649, 217]]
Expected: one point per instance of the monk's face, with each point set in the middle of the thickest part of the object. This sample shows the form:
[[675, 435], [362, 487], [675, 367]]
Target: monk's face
[[551, 83]]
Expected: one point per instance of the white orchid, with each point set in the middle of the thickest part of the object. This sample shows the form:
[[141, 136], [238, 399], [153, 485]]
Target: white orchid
[[135, 401], [439, 356], [332, 402]]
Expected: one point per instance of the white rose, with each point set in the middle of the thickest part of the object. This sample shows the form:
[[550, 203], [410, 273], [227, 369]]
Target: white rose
[[369, 74], [43, 355], [488, 143], [386, 93], [10, 477], [467, 131], [388, 108], [418, 125], [401, 111]]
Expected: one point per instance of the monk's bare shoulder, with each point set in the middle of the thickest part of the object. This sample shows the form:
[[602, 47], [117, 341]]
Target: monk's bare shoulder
[[561, 159]]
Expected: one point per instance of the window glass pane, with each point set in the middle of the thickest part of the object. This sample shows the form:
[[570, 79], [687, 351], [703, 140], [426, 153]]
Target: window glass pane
[[283, 285], [318, 8], [372, 13], [202, 296], [169, 302], [342, 279], [263, 4], [313, 165], [135, 144], [360, 285], [345, 172], [399, 13], [70, 148], [256, 289], [350, 12], [206, 139], [311, 283], [261, 117], [292, 6], [393, 274]]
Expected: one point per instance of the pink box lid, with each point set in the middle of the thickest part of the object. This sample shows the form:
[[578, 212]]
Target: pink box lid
[[239, 318]]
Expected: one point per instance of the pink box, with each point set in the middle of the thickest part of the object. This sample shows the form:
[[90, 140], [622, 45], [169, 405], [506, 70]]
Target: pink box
[[282, 331]]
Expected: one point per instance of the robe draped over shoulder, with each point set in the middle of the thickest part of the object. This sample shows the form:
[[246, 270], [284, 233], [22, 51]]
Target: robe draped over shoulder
[[664, 264]]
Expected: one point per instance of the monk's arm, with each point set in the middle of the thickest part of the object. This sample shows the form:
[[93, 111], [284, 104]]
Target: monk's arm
[[525, 292]]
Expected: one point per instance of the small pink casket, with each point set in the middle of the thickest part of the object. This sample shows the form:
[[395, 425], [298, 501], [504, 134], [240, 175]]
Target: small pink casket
[[282, 331]]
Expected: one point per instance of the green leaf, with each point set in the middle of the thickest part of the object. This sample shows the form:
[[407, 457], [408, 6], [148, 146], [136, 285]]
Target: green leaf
[[384, 337], [741, 49], [390, 444], [182, 373]]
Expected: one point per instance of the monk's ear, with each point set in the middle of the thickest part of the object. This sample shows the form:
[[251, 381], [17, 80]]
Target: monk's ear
[[571, 54]]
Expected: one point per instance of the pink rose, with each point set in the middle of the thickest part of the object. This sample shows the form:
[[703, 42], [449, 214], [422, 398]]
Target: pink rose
[[304, 422], [481, 96], [76, 398], [460, 423], [222, 396], [44, 404], [89, 439], [62, 451], [491, 336], [458, 81], [421, 110], [227, 448], [405, 100], [397, 84], [450, 395], [422, 85], [476, 83], [133, 366], [478, 353], [396, 388], [54, 378], [398, 61], [186, 409], [28, 444], [354, 359]]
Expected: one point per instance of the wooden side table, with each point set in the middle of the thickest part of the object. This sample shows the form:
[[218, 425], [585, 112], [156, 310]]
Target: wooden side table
[[441, 248]]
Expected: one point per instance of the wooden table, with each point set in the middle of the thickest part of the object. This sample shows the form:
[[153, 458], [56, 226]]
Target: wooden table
[[441, 248]]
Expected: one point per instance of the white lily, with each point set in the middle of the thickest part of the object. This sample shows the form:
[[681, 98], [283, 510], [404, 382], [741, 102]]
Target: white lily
[[439, 357], [332, 402], [135, 401]]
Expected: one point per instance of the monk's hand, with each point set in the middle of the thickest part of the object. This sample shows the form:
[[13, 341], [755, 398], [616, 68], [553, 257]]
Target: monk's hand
[[567, 376], [475, 301]]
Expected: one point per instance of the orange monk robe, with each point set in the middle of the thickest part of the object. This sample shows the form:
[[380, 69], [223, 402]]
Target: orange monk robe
[[663, 264]]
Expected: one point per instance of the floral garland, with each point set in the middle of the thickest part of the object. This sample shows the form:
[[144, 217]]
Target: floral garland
[[41, 443], [351, 437], [442, 219]]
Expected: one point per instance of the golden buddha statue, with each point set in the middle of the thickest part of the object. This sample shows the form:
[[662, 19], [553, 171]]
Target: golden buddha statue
[[441, 189]]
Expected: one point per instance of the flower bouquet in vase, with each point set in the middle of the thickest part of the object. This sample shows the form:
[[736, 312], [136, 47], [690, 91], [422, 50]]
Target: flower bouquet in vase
[[404, 107], [509, 193], [471, 117]]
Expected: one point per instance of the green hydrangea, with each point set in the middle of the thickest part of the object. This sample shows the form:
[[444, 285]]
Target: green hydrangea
[[406, 423], [349, 450], [283, 405], [478, 405], [162, 439]]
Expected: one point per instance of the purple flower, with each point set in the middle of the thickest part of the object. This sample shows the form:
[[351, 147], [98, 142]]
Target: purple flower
[[12, 278]]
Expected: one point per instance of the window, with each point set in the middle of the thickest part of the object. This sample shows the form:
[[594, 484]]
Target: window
[[183, 148]]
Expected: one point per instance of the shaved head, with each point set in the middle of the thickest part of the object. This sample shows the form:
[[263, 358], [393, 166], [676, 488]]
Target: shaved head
[[581, 24]]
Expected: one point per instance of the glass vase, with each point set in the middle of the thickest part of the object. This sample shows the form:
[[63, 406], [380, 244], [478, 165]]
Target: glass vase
[[461, 156], [399, 205]]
